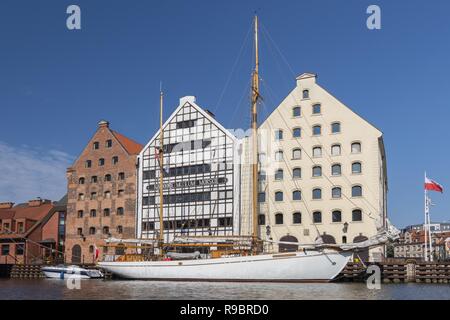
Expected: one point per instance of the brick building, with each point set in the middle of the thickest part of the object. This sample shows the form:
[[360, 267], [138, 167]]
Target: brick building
[[32, 232], [101, 194]]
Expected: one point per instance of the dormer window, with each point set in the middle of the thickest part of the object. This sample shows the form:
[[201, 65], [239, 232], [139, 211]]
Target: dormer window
[[305, 94]]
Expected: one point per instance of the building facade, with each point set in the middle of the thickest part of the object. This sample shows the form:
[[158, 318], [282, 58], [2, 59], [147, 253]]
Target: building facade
[[201, 177], [32, 232], [101, 194], [322, 171]]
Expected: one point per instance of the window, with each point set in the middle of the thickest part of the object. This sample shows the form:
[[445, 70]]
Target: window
[[91, 249], [356, 147], [336, 170], [296, 173], [262, 197], [317, 171], [80, 214], [19, 249], [94, 179], [279, 134], [20, 227], [296, 154], [93, 213], [296, 218], [335, 127], [317, 194], [108, 178], [91, 230], [120, 211], [297, 132], [105, 230], [296, 111], [120, 193], [296, 195], [96, 145], [93, 195], [317, 152], [88, 164], [336, 193], [81, 196], [317, 217], [225, 222], [279, 218], [317, 130], [305, 94], [106, 212], [5, 249], [115, 160], [261, 219], [147, 226], [356, 215], [278, 196], [101, 162], [344, 239], [108, 143], [316, 109], [336, 216], [119, 229], [336, 150], [356, 191], [356, 167], [279, 155], [107, 194], [279, 174], [262, 176], [80, 231], [121, 176], [81, 180]]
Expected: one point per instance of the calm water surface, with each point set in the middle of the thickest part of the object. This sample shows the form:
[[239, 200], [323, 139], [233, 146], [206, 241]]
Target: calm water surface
[[154, 290]]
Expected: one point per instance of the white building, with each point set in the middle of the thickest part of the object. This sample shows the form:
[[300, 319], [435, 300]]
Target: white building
[[322, 171], [201, 180]]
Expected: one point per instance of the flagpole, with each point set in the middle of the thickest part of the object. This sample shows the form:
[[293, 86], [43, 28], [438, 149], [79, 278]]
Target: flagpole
[[425, 249], [430, 243]]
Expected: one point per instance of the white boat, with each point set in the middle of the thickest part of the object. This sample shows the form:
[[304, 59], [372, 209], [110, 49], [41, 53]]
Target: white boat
[[311, 266], [71, 272]]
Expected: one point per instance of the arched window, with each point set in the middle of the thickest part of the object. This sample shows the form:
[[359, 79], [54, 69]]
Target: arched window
[[285, 247], [317, 194], [119, 229], [317, 217], [296, 111], [105, 230], [317, 171], [305, 94], [357, 215], [94, 179], [356, 191], [336, 150], [336, 216], [296, 154], [93, 213], [356, 167], [80, 213], [107, 194], [76, 254], [335, 127], [279, 196], [115, 160], [279, 174], [336, 170], [88, 164], [317, 108], [96, 145], [279, 218], [91, 230], [279, 155], [121, 176], [108, 177], [262, 197], [101, 162], [296, 132], [356, 147], [296, 173], [317, 152], [296, 195], [261, 219], [106, 212], [344, 239], [336, 193], [327, 238], [279, 134], [81, 180], [317, 130], [81, 196], [120, 211], [262, 176], [296, 218]]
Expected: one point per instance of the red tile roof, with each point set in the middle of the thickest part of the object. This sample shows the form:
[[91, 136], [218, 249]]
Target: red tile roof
[[132, 147]]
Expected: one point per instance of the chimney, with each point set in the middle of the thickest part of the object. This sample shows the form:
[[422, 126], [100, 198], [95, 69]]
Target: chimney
[[190, 99], [6, 205], [37, 202], [103, 124]]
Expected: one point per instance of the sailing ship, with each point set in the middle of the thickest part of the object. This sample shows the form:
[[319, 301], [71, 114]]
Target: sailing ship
[[236, 258]]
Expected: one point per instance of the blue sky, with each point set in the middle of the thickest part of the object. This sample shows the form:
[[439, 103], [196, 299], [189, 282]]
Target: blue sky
[[56, 84]]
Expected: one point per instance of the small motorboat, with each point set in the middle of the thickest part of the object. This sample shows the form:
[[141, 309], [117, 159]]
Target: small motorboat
[[71, 272]]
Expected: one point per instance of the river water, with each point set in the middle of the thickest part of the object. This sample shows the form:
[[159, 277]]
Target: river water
[[50, 289]]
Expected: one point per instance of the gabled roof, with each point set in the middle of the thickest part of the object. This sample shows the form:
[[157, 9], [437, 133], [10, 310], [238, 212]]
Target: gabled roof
[[306, 75], [132, 147]]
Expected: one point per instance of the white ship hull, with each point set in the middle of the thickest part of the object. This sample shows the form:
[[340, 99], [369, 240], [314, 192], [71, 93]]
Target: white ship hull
[[294, 266]]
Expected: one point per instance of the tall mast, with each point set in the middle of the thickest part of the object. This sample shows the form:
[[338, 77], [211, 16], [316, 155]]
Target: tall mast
[[255, 96], [161, 171]]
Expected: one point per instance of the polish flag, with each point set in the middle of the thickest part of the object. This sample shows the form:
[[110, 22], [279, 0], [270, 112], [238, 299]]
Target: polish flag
[[96, 252], [433, 185]]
